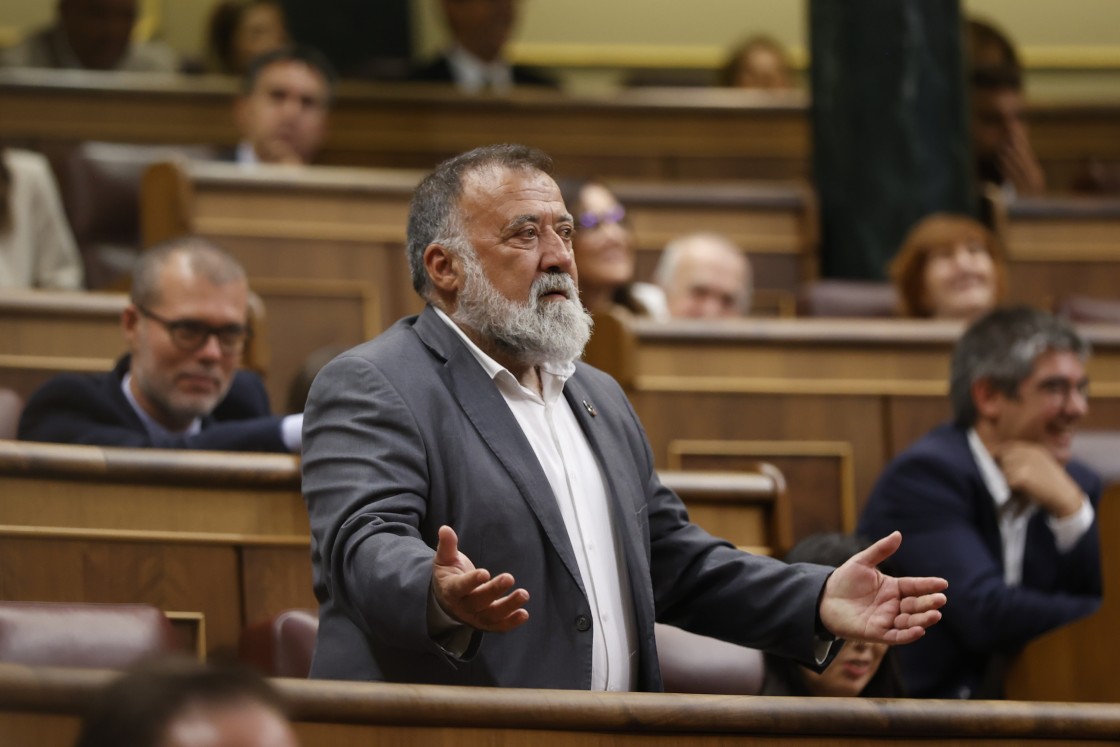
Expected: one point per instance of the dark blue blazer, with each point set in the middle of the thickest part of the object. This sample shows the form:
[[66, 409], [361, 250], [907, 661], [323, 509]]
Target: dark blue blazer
[[934, 494], [439, 71], [92, 409]]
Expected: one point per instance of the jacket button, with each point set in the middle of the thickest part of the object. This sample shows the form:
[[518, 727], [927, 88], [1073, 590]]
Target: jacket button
[[583, 623]]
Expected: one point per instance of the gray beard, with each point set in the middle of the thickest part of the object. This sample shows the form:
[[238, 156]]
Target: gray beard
[[533, 333]]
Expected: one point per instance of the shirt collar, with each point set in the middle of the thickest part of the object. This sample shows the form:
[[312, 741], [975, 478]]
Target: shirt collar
[[553, 375], [154, 429], [990, 472], [473, 75], [246, 154]]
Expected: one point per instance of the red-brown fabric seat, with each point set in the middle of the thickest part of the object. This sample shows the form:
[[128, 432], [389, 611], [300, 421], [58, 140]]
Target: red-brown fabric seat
[[281, 646], [86, 636]]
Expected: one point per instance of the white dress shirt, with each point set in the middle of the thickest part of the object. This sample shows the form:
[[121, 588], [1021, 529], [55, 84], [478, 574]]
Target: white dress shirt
[[580, 491], [1015, 515], [473, 75]]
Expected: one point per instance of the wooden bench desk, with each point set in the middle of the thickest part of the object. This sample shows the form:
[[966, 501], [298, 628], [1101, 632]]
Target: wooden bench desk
[[1060, 246], [1077, 662], [227, 534], [41, 707], [638, 133], [218, 533], [828, 401]]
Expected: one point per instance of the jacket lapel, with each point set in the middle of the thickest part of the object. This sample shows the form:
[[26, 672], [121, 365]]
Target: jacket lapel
[[488, 412]]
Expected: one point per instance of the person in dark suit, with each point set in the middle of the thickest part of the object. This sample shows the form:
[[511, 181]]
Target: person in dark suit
[[476, 59], [283, 109], [484, 508], [993, 503], [179, 386]]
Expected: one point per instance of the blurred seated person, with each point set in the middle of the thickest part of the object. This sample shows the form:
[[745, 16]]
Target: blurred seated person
[[179, 386], [184, 703], [91, 35], [283, 107], [242, 30], [861, 668], [949, 267], [704, 276], [37, 249], [476, 60], [994, 502], [1000, 141], [603, 246], [760, 63]]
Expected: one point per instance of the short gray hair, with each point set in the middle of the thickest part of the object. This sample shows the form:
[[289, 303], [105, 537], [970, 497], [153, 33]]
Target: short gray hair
[[204, 257], [434, 218], [1002, 347]]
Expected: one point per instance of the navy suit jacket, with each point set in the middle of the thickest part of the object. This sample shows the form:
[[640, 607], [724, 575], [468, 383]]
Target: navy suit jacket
[[92, 409], [934, 494], [439, 71], [407, 432]]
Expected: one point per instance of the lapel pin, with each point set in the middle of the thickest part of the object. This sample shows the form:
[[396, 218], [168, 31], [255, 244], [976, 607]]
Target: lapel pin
[[590, 409]]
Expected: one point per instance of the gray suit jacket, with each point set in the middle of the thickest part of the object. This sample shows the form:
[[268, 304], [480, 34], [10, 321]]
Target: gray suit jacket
[[407, 432]]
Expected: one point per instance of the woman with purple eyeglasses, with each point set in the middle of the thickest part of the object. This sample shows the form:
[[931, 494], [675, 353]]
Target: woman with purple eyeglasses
[[604, 252]]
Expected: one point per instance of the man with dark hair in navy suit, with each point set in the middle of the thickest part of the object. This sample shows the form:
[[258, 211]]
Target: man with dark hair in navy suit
[[179, 386], [993, 504], [476, 59]]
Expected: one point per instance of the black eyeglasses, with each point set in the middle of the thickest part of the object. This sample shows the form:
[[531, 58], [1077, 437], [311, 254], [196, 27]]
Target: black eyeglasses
[[190, 334]]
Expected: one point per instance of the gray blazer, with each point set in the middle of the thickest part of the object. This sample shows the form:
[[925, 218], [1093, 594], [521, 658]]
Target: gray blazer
[[407, 432]]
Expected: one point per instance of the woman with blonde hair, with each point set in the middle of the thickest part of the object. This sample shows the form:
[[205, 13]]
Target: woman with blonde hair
[[949, 267]]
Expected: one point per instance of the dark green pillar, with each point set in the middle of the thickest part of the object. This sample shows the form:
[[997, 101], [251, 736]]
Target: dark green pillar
[[890, 125]]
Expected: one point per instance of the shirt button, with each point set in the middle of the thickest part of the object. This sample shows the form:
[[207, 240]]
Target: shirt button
[[583, 623]]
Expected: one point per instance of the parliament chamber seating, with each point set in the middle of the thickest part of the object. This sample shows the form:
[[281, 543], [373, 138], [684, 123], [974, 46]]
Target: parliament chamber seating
[[11, 405], [847, 298], [827, 401], [283, 645], [90, 636], [100, 186], [42, 706]]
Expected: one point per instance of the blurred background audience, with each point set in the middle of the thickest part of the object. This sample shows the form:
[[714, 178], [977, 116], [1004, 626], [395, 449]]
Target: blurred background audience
[[184, 703], [91, 35], [760, 62], [704, 276], [37, 249], [476, 60], [241, 30], [283, 108], [949, 267]]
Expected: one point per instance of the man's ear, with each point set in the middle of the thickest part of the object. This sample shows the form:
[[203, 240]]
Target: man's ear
[[987, 399], [130, 323], [443, 268]]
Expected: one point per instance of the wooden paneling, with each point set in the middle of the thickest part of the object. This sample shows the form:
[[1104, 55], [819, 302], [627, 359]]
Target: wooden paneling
[[1060, 246], [818, 474], [1077, 662], [223, 535]]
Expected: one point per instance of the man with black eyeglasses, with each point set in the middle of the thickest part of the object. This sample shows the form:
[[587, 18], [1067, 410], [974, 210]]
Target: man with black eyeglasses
[[994, 504], [179, 386]]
